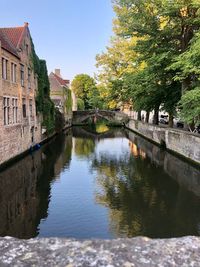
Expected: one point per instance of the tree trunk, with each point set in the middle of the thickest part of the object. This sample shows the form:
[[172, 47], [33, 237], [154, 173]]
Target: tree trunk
[[171, 120], [147, 117], [156, 116], [139, 116]]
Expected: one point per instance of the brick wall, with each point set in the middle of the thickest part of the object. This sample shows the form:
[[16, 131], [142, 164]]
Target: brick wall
[[17, 136]]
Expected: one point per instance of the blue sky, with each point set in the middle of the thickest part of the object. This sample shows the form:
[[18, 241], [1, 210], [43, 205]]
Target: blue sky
[[67, 33]]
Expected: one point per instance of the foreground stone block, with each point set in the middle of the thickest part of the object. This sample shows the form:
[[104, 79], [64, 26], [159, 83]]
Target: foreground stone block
[[140, 251]]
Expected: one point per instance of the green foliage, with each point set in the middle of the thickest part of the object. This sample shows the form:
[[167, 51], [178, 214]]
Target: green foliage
[[83, 85], [43, 101], [188, 63], [44, 105], [80, 104], [160, 56], [48, 111], [68, 102], [59, 121], [35, 59], [190, 106], [86, 90]]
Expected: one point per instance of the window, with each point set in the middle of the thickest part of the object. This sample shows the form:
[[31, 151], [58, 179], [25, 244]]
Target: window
[[31, 107], [22, 74], [24, 107], [4, 68], [29, 78], [26, 49], [13, 72], [6, 110], [15, 110]]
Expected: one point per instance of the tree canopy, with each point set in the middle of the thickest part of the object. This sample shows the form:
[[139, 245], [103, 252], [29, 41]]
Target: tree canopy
[[152, 61], [87, 92]]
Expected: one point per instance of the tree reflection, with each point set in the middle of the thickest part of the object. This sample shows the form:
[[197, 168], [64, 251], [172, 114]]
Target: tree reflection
[[84, 147], [142, 199]]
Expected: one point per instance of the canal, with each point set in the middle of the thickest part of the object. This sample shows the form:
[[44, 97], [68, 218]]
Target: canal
[[99, 184]]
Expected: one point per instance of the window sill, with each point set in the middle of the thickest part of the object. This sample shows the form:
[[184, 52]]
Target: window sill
[[12, 125]]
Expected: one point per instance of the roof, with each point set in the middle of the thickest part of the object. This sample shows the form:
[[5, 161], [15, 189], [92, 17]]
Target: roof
[[12, 37], [60, 80], [67, 81], [7, 45]]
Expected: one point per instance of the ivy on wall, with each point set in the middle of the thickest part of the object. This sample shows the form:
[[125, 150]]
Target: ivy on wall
[[53, 120], [44, 105], [68, 102]]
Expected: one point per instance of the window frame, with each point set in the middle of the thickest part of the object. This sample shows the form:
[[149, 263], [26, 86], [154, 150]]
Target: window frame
[[22, 75], [4, 66]]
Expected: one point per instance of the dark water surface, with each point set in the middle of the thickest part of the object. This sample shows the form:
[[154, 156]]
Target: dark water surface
[[88, 185]]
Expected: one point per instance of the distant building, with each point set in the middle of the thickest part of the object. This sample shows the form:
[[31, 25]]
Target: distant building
[[58, 92], [19, 125]]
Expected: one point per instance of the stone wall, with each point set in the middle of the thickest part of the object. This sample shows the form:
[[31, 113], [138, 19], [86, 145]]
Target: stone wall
[[136, 252], [184, 143]]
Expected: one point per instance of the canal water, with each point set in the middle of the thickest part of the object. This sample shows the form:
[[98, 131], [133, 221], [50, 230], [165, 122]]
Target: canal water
[[99, 183]]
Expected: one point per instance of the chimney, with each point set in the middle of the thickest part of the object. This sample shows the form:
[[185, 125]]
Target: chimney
[[57, 72]]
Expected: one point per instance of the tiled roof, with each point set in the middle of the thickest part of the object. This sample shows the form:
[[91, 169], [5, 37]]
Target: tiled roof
[[60, 80], [67, 81], [11, 38], [14, 34], [7, 45]]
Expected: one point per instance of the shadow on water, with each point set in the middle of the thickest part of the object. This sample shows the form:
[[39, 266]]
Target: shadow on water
[[25, 188], [109, 183]]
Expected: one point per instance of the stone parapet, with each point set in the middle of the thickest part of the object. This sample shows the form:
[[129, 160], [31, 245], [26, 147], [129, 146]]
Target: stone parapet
[[137, 252]]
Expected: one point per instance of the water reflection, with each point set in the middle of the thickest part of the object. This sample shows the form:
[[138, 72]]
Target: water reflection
[[25, 188], [84, 147], [142, 197], [89, 184]]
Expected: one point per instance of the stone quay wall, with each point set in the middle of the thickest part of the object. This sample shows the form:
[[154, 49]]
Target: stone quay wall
[[181, 142]]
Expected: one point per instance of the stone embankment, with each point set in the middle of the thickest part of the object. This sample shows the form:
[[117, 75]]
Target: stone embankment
[[140, 251], [181, 142]]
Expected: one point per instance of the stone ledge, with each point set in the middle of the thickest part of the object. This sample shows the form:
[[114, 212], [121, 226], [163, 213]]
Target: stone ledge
[[140, 251]]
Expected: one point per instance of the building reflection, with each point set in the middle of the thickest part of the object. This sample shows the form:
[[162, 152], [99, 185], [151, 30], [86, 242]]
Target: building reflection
[[136, 151], [25, 187]]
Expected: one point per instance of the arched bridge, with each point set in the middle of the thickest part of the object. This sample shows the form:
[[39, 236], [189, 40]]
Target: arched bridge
[[115, 117]]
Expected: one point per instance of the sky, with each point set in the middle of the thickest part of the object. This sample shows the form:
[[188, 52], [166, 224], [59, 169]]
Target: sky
[[66, 33]]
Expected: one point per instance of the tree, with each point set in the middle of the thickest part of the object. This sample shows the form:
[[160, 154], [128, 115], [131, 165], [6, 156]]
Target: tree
[[145, 20], [118, 60], [80, 104], [83, 86], [188, 65], [190, 107], [162, 30]]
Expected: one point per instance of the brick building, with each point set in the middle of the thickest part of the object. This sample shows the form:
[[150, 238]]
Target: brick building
[[58, 92], [19, 125]]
